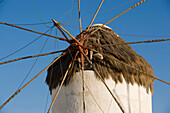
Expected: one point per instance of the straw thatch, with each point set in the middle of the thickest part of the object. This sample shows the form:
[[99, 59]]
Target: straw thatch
[[105, 60]]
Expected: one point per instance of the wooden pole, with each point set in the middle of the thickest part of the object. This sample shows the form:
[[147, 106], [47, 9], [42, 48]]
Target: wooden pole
[[59, 89], [95, 15], [31, 57], [29, 82], [32, 31]]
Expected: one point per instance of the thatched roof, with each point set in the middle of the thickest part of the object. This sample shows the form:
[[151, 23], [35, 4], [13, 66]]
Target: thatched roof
[[105, 60]]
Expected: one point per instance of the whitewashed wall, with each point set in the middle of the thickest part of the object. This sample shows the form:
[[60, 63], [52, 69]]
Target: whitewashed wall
[[134, 99]]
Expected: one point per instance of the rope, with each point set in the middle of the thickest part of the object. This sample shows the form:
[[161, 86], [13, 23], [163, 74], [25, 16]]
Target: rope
[[67, 12], [34, 24], [46, 102], [51, 74], [33, 64], [70, 13], [69, 25], [77, 19], [40, 15], [23, 46], [29, 82], [116, 6], [50, 22]]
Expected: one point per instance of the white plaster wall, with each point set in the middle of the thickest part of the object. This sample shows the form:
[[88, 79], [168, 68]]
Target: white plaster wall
[[134, 99]]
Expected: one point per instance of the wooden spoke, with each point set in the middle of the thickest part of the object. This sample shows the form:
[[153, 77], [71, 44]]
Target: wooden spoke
[[137, 42], [63, 33], [58, 24], [79, 16], [82, 69], [31, 57], [84, 105], [121, 108], [29, 82], [32, 31], [59, 89], [125, 11], [95, 14], [92, 95], [114, 18]]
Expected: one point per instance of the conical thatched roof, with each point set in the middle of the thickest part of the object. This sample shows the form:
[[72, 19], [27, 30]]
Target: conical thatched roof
[[108, 60]]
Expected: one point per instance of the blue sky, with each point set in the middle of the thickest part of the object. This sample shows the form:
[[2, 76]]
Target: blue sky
[[151, 18]]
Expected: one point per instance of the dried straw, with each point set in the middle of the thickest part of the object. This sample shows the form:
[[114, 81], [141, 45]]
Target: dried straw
[[105, 65]]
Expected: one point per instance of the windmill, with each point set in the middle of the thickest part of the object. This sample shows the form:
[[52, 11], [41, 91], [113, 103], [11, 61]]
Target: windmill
[[54, 37], [110, 74]]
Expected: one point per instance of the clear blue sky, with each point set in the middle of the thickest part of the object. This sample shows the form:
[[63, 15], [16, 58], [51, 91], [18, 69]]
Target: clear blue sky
[[150, 18]]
